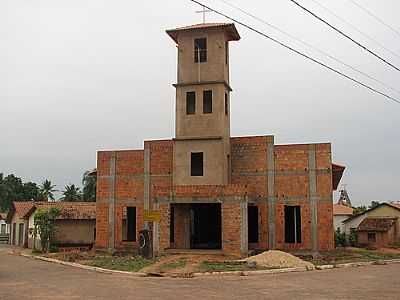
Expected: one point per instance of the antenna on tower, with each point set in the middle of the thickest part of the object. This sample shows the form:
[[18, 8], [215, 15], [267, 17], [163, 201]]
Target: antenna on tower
[[344, 198]]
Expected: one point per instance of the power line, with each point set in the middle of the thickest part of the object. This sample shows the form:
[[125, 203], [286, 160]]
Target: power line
[[376, 17], [356, 29], [309, 45], [297, 52], [345, 35]]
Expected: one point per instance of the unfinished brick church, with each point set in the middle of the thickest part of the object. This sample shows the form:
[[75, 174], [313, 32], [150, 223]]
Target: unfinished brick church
[[211, 190]]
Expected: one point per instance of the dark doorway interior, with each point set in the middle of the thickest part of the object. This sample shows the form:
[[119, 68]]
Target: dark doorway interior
[[21, 234], [292, 224], [253, 224], [205, 229]]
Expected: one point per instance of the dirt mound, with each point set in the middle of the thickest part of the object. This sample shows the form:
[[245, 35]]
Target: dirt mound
[[278, 259]]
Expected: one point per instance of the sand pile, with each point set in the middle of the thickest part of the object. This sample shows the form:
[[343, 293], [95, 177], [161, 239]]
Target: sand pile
[[278, 259]]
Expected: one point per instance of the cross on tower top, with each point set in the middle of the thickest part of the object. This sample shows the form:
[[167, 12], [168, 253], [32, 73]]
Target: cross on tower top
[[204, 11]]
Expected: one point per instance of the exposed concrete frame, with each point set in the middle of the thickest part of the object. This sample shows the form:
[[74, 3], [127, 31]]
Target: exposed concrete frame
[[271, 194], [313, 198], [146, 195], [244, 231], [111, 203]]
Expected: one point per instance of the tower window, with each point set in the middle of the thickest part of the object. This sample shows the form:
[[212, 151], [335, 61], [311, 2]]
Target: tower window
[[226, 104], [200, 50], [190, 103], [196, 164], [207, 102], [292, 224], [226, 52]]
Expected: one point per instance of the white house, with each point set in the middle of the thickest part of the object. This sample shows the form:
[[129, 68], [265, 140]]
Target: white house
[[4, 227], [340, 213]]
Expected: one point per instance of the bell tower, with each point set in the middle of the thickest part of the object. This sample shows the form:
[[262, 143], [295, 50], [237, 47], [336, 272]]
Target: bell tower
[[202, 121]]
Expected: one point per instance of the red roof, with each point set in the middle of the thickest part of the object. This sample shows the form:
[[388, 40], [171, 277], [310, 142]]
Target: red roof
[[21, 208], [376, 224], [230, 29], [71, 210], [339, 209]]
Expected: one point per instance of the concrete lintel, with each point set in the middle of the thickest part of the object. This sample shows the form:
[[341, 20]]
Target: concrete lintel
[[200, 199]]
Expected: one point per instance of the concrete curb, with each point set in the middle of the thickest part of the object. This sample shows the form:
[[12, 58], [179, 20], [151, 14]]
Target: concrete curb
[[218, 274], [84, 267]]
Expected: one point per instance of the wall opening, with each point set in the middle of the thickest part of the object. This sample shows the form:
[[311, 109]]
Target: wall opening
[[20, 234], [190, 103], [292, 224], [196, 164], [200, 50], [252, 212], [207, 102], [129, 224], [226, 104], [3, 228], [205, 227]]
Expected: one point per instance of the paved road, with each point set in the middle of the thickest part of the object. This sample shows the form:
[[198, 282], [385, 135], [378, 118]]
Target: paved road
[[23, 278]]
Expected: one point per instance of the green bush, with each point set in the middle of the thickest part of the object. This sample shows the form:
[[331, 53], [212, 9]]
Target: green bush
[[340, 238], [353, 238]]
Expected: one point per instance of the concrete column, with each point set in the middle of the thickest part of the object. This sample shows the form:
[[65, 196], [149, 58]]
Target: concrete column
[[312, 179], [271, 194], [111, 204], [146, 195], [244, 231], [156, 233]]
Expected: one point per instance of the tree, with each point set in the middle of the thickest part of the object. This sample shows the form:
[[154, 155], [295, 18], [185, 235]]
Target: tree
[[89, 186], [373, 204], [47, 189], [359, 209], [72, 193], [44, 226], [13, 189], [340, 238]]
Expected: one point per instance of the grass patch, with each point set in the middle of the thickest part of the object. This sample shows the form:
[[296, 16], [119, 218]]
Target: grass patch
[[210, 266], [180, 263], [131, 264], [341, 256]]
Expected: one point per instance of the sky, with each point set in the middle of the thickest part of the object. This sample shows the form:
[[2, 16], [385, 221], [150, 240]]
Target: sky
[[80, 76]]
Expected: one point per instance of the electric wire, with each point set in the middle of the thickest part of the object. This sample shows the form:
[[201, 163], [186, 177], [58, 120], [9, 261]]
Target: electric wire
[[368, 12], [355, 28], [345, 35], [297, 52], [308, 45]]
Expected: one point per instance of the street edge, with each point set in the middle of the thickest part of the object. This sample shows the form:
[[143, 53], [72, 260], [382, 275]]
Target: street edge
[[227, 273]]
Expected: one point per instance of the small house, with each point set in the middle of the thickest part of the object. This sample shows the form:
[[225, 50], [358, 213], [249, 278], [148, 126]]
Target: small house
[[16, 217], [377, 232], [75, 225]]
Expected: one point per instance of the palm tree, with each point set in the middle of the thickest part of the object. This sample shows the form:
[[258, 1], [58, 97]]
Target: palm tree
[[47, 189], [72, 193], [89, 186]]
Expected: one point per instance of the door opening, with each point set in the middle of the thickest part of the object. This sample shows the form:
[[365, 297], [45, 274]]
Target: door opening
[[205, 227]]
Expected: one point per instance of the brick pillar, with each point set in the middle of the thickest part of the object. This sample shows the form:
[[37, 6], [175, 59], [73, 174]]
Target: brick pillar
[[164, 227], [234, 227]]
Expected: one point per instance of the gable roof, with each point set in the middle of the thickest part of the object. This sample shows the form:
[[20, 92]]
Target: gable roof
[[20, 208], [376, 224], [342, 210], [371, 209], [229, 28], [69, 210]]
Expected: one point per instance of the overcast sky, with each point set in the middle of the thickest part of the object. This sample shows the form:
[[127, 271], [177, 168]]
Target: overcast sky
[[79, 76]]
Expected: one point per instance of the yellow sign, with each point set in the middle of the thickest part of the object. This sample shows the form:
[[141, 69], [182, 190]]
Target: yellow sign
[[152, 216]]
